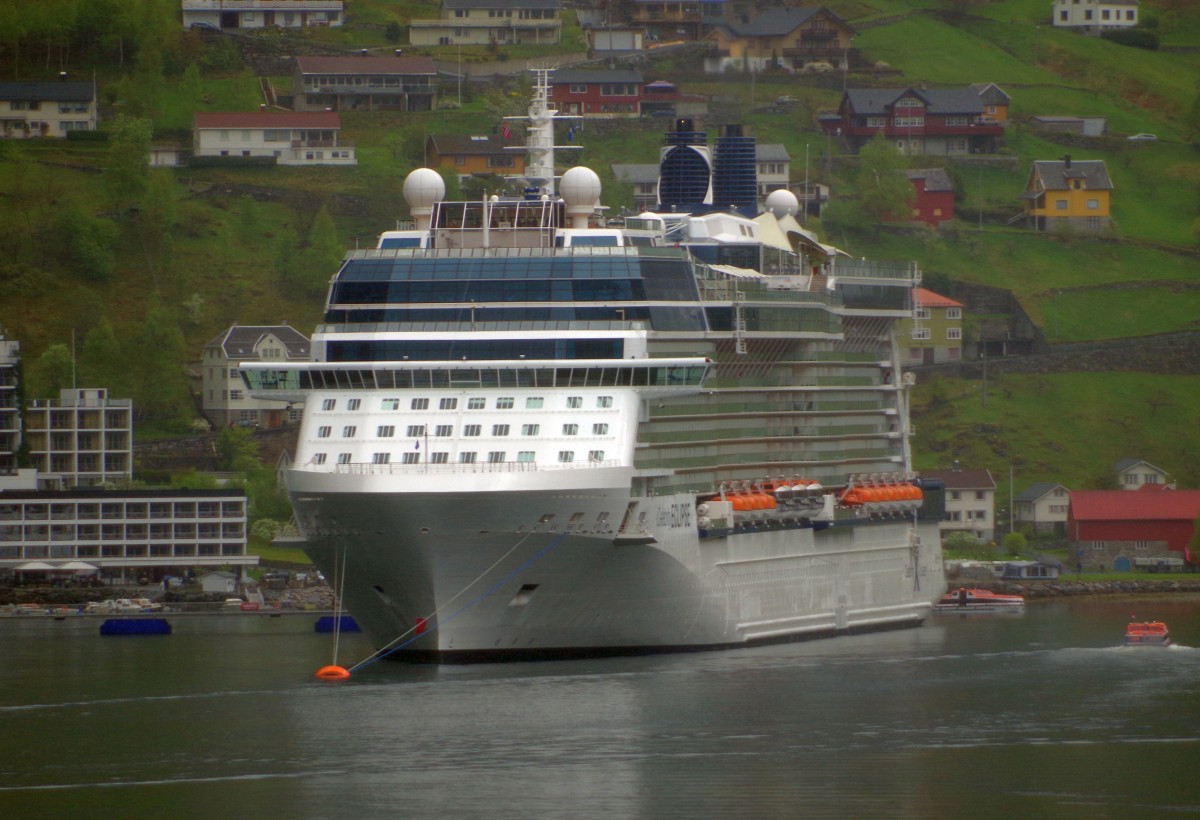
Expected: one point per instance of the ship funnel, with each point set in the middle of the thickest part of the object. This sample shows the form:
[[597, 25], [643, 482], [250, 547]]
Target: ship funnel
[[735, 175], [685, 170]]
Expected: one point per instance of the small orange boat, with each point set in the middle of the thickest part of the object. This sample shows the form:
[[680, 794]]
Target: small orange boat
[[1147, 633], [967, 599]]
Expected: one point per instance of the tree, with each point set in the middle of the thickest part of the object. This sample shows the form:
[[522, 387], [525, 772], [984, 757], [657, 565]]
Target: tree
[[159, 386], [100, 361], [884, 190], [128, 174], [1014, 544], [238, 450], [324, 253], [53, 371], [392, 32]]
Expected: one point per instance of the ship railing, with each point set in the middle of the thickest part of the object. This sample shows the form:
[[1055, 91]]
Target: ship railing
[[461, 468], [724, 408]]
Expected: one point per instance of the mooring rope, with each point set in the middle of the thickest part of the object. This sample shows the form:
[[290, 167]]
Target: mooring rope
[[337, 605], [394, 646]]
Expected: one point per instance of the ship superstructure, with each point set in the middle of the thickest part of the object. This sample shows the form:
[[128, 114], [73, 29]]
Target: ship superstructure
[[531, 434]]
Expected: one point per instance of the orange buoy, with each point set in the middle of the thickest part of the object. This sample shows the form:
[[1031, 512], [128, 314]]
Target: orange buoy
[[333, 673]]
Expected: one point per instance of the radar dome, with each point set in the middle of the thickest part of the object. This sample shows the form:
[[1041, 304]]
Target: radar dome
[[423, 187], [782, 203], [580, 187]]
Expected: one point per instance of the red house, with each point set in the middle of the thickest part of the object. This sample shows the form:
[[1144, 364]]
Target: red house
[[935, 195], [935, 121], [1099, 516], [597, 93]]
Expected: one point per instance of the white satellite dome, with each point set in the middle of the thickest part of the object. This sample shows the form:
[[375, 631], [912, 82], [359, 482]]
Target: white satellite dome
[[782, 202], [580, 188], [423, 187]]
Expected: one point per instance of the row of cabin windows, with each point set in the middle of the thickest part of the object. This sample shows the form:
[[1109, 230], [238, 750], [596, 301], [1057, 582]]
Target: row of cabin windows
[[466, 457], [477, 403], [468, 430]]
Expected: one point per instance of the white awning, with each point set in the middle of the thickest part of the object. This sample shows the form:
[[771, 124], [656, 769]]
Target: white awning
[[35, 566], [739, 273]]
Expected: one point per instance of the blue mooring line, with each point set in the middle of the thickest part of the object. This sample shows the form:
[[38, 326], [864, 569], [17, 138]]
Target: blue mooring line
[[554, 542]]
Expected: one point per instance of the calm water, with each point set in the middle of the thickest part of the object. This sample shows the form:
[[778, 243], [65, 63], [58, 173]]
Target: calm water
[[1038, 715]]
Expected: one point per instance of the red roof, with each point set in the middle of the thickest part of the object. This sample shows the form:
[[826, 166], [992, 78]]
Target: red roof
[[1122, 505], [268, 119], [927, 298]]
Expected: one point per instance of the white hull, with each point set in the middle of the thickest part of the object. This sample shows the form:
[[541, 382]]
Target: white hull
[[473, 576]]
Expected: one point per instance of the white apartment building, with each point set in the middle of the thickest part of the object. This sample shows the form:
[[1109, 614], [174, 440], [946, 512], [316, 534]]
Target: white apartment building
[[146, 532], [236, 14], [10, 412], [970, 501], [82, 439], [1095, 15]]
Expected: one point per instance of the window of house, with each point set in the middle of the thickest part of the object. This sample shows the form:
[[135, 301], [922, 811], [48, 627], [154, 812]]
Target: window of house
[[953, 313], [1093, 222], [236, 395], [1060, 204], [979, 495], [921, 313], [1093, 204], [954, 333], [385, 430], [922, 333]]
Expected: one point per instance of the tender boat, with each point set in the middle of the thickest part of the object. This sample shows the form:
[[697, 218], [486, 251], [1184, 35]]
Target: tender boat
[[968, 599], [1147, 633]]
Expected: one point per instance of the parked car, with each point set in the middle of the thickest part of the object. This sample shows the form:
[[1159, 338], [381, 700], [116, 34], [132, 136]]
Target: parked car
[[202, 26], [1142, 138]]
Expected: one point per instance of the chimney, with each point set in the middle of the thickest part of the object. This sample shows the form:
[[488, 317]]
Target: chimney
[[363, 52], [1066, 161], [399, 51], [957, 466]]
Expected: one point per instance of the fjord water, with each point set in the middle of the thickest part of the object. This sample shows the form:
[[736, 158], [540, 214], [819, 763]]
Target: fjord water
[[1036, 715]]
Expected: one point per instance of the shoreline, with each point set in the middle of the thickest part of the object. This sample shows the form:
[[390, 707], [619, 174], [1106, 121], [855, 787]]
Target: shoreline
[[1060, 588]]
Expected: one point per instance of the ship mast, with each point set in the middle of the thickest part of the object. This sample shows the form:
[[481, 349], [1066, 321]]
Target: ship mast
[[539, 142]]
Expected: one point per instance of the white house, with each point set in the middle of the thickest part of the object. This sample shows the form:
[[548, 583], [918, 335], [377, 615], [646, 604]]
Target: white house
[[1134, 473], [235, 14], [224, 396], [1043, 508], [1095, 15], [292, 138], [970, 501], [50, 109], [772, 164]]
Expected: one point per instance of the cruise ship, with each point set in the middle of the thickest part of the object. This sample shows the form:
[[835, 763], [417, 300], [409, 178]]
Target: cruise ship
[[532, 432]]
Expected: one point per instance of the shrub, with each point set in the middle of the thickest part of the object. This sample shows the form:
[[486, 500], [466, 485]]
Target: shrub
[[87, 136]]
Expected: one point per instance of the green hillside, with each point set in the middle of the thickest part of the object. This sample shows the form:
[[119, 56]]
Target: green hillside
[[88, 237]]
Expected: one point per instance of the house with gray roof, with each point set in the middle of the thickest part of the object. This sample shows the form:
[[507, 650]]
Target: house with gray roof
[[224, 398], [792, 39], [970, 501], [490, 22], [934, 121], [1043, 508], [364, 82], [1136, 473], [1068, 194], [52, 109]]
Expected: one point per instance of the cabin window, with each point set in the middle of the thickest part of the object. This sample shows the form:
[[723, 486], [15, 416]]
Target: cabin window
[[566, 456], [419, 404], [604, 401], [599, 429], [447, 404], [416, 430], [533, 403], [574, 402], [329, 404], [529, 429], [504, 403], [348, 432], [476, 404], [472, 429], [354, 404], [467, 458], [385, 430], [499, 430], [570, 429], [323, 432]]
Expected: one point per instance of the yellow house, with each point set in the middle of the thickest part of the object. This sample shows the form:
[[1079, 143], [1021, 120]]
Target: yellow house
[[1062, 193]]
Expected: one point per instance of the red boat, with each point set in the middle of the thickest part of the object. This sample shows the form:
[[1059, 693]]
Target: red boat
[[1147, 633], [970, 599]]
